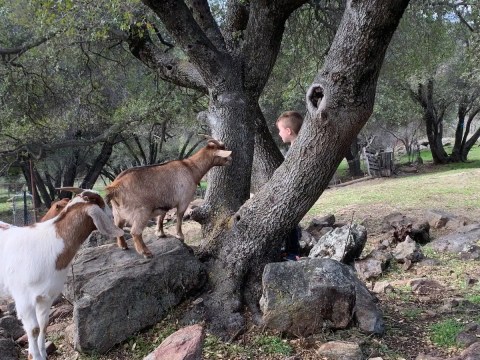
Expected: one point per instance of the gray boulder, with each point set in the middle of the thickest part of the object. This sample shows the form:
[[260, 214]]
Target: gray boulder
[[408, 250], [459, 241], [439, 219], [8, 349], [117, 293], [12, 326], [344, 244], [308, 296]]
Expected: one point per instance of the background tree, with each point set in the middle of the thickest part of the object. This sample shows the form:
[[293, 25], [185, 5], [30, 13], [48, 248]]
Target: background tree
[[67, 100], [426, 54]]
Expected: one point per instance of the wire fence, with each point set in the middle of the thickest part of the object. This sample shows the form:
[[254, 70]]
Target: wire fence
[[16, 204]]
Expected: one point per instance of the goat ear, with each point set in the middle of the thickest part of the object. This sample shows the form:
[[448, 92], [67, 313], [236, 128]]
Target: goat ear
[[103, 222], [223, 153]]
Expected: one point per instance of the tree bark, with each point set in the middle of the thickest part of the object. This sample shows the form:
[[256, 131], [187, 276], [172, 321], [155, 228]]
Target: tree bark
[[457, 150], [42, 189], [232, 66], [267, 156], [24, 165], [339, 102], [462, 146]]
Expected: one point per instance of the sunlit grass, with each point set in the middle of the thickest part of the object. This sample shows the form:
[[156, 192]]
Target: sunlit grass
[[444, 190], [444, 333]]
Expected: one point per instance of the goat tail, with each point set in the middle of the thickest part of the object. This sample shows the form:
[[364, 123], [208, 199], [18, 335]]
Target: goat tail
[[110, 193]]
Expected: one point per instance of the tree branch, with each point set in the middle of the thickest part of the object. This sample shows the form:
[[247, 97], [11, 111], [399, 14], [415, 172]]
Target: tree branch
[[168, 67], [263, 37], [204, 18], [209, 61], [11, 54]]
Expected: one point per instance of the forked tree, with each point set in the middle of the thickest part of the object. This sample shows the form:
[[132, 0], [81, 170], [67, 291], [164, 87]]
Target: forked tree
[[232, 63]]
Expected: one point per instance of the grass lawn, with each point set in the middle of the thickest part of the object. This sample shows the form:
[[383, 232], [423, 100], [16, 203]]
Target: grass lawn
[[453, 187]]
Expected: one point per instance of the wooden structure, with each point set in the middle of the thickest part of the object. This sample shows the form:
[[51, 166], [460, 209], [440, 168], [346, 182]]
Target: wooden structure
[[378, 163]]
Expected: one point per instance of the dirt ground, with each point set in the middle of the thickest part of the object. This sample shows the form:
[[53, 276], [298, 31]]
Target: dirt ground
[[408, 315]]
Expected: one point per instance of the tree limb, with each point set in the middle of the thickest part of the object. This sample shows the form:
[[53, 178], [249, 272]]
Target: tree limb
[[209, 60], [9, 55], [263, 37], [204, 18], [168, 67]]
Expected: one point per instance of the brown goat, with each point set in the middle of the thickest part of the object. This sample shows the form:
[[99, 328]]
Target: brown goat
[[143, 192], [55, 209]]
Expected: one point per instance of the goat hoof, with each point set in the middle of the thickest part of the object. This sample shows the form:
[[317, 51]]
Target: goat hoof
[[160, 234], [147, 255]]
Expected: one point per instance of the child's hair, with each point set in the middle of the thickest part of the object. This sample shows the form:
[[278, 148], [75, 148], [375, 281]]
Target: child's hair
[[292, 120]]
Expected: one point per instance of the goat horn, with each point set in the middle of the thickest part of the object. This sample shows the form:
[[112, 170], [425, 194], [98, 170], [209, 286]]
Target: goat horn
[[207, 137], [72, 189], [216, 142]]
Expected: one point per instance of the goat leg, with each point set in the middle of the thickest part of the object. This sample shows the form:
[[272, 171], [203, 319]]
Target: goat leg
[[159, 232], [29, 320], [140, 246], [122, 244], [179, 225], [42, 309]]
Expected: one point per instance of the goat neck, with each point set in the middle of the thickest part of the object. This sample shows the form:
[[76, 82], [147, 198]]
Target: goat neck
[[199, 163], [73, 226]]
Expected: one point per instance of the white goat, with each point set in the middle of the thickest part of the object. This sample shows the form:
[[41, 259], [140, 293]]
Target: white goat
[[34, 261], [4, 225]]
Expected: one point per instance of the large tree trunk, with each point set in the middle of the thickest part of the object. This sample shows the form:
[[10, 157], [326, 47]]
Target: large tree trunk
[[232, 66], [233, 71], [456, 155], [267, 156], [25, 166], [42, 189], [469, 144], [339, 103]]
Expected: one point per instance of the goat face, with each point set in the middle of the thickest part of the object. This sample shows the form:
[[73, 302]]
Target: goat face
[[221, 157], [55, 209]]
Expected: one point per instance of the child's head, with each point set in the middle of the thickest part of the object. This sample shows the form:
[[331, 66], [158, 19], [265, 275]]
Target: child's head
[[289, 124]]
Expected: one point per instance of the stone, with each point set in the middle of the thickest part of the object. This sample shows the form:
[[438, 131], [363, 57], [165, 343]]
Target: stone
[[439, 219], [459, 240], [425, 286], [8, 350], [340, 350], [12, 326], [368, 269], [292, 289], [471, 353], [407, 250], [383, 287], [184, 344], [116, 293], [344, 244], [61, 312]]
